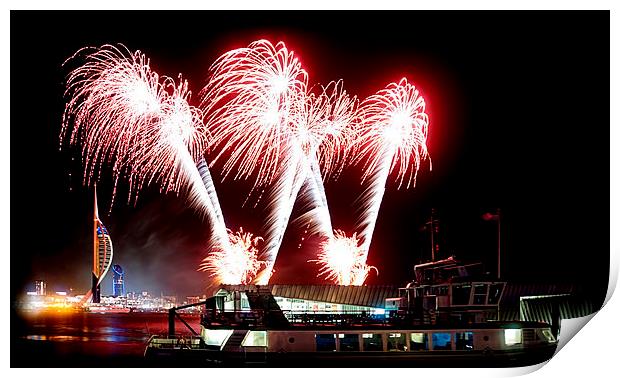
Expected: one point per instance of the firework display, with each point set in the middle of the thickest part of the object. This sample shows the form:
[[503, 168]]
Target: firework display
[[392, 136], [123, 113], [258, 107], [261, 121]]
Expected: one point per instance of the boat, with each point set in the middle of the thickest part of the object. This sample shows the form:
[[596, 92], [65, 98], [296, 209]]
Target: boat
[[447, 316]]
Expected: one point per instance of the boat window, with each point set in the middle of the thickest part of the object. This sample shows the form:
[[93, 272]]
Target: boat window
[[216, 336], [325, 342], [419, 341], [480, 294], [372, 341], [396, 341], [349, 342], [442, 341], [464, 340], [547, 333], [495, 292], [255, 338], [513, 336], [460, 294]]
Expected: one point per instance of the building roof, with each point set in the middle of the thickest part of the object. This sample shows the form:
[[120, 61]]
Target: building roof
[[539, 300], [369, 295]]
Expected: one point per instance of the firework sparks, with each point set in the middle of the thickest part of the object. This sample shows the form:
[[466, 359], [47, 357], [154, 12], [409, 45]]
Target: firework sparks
[[248, 104], [392, 136], [237, 264], [343, 260], [122, 112]]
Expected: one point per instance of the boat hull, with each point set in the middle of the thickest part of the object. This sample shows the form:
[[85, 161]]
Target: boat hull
[[485, 358]]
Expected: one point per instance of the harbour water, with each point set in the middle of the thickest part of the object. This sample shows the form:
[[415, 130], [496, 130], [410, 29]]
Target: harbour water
[[82, 339]]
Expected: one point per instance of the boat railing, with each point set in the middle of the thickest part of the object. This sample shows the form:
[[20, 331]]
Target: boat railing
[[253, 318], [245, 318], [176, 342], [335, 318]]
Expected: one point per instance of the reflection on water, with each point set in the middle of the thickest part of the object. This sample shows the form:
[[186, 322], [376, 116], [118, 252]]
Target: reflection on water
[[56, 338], [65, 337]]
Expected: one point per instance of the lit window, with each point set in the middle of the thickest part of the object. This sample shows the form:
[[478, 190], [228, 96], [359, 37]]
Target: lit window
[[216, 336], [464, 340], [442, 341], [513, 336], [255, 338], [419, 341], [396, 341]]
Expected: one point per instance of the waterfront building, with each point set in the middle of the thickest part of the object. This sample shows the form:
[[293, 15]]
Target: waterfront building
[[40, 287], [118, 281], [193, 299], [168, 301]]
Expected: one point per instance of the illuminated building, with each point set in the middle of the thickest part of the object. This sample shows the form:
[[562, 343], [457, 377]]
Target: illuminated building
[[102, 254], [319, 299], [193, 299], [40, 287], [118, 281]]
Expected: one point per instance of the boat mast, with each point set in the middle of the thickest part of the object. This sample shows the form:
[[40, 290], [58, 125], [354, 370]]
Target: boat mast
[[432, 236]]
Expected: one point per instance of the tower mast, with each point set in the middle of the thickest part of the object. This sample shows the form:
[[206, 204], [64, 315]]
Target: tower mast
[[95, 219]]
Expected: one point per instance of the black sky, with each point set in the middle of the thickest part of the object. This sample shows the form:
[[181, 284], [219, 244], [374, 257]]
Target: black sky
[[519, 120]]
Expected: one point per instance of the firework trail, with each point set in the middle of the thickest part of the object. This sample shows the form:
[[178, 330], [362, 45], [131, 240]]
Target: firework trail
[[122, 112], [392, 136]]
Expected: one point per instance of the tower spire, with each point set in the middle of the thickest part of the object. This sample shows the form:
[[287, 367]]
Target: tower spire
[[96, 208]]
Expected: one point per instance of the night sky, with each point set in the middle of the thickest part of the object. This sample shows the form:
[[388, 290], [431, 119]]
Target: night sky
[[519, 120]]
